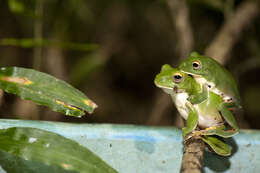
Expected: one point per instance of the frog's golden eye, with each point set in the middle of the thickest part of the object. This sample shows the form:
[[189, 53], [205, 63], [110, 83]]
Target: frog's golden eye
[[196, 65], [177, 77]]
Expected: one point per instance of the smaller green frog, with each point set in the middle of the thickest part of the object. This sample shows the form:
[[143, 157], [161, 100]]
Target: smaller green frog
[[197, 104]]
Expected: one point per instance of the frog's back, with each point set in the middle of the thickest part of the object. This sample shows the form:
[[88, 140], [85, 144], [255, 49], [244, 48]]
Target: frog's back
[[223, 79], [215, 75]]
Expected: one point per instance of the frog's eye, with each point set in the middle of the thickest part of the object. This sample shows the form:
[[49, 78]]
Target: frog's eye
[[196, 65], [177, 77]]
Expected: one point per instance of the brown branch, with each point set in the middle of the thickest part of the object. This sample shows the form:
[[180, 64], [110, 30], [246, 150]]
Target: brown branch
[[180, 18], [192, 159], [231, 31]]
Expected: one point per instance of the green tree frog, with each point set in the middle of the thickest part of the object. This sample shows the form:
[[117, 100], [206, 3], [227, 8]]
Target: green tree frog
[[209, 112], [210, 73], [208, 109]]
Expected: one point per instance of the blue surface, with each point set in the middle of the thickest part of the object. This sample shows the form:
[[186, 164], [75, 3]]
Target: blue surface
[[139, 149]]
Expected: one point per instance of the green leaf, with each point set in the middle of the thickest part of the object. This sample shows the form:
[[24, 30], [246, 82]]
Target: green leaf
[[30, 43], [14, 164], [27, 149], [217, 145], [45, 90]]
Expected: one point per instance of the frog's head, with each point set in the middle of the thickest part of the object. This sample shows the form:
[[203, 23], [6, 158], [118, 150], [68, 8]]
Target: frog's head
[[197, 64], [172, 79]]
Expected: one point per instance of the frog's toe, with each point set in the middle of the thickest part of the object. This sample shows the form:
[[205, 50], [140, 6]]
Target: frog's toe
[[211, 128], [198, 133]]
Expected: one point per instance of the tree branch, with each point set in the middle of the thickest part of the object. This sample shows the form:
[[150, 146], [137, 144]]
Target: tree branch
[[192, 159], [231, 31], [180, 18]]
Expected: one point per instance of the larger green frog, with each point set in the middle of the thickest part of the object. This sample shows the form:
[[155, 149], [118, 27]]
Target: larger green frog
[[210, 73], [209, 111], [196, 104]]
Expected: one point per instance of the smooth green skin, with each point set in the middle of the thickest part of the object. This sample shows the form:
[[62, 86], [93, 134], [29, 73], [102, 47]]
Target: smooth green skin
[[214, 73], [25, 149], [209, 104], [45, 90]]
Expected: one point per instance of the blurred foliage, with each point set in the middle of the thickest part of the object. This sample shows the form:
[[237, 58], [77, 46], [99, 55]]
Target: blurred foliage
[[16, 6], [31, 150], [126, 42], [29, 43]]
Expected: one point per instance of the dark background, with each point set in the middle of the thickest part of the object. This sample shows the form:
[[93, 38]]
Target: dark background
[[129, 41]]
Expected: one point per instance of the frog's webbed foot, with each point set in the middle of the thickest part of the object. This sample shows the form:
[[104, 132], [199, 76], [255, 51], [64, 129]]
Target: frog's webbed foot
[[197, 133], [216, 130], [208, 131]]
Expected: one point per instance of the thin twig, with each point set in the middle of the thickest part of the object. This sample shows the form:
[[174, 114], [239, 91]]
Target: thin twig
[[180, 18], [192, 159], [231, 31]]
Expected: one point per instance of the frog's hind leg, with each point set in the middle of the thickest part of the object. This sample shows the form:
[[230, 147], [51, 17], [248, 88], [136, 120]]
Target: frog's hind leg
[[221, 130], [229, 117], [215, 130]]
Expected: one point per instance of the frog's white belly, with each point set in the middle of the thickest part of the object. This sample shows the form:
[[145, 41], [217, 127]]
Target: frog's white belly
[[180, 99], [204, 121]]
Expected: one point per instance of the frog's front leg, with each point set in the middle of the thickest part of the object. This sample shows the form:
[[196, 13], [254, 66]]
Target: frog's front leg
[[191, 122], [199, 96]]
